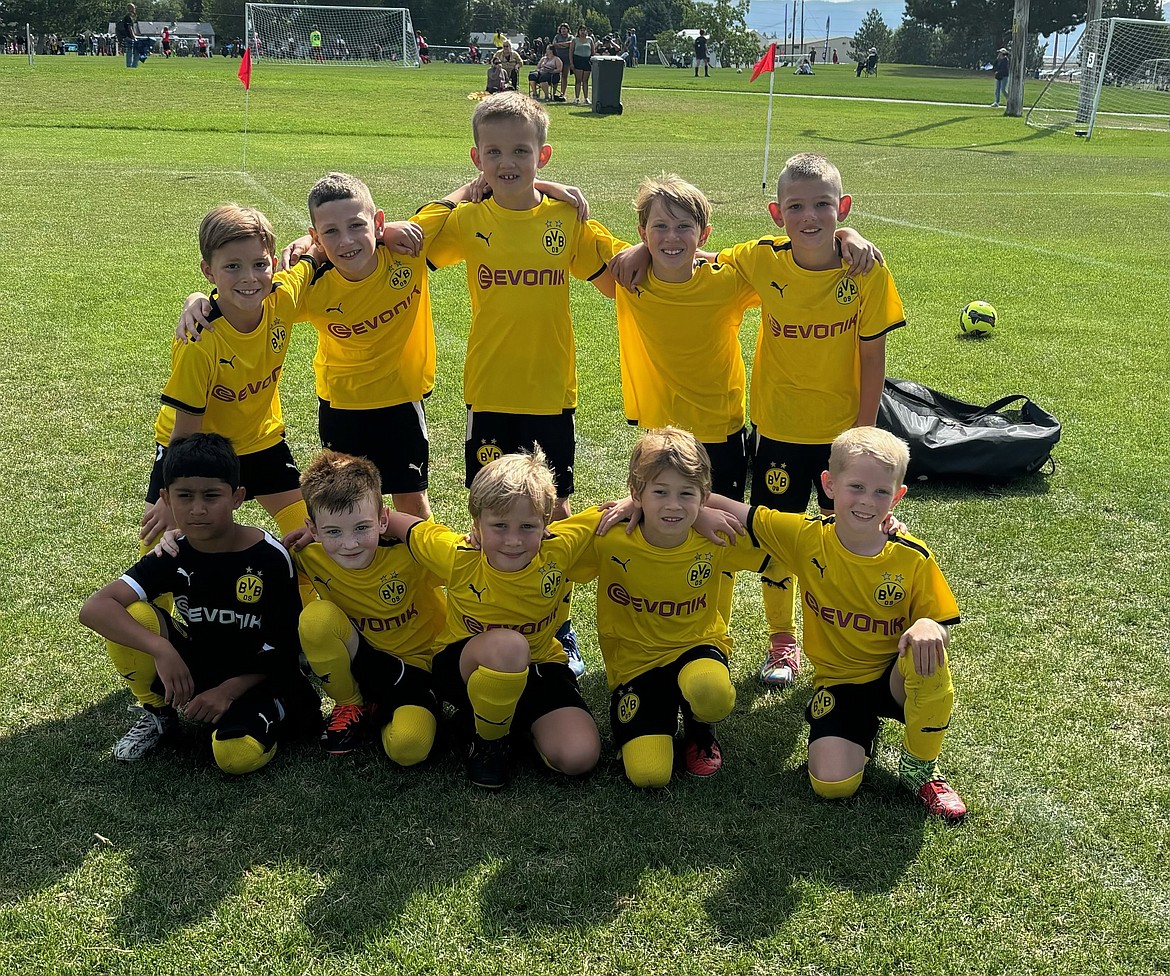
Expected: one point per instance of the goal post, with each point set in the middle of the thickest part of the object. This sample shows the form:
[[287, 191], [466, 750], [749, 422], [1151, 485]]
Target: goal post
[[353, 36], [1117, 76], [30, 46]]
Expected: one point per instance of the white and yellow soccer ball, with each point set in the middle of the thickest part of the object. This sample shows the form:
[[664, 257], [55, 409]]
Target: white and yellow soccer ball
[[978, 318]]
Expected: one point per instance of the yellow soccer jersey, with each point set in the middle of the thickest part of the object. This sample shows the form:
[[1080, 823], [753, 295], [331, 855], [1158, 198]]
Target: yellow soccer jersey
[[521, 356], [376, 337], [855, 607], [394, 603], [480, 598], [654, 604], [680, 357], [231, 379], [806, 378]]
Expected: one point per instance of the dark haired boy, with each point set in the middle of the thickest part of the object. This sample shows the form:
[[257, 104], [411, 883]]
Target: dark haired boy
[[229, 659]]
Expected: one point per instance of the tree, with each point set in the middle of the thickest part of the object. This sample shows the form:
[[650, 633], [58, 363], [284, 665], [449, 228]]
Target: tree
[[490, 16], [441, 21], [914, 43], [990, 21], [546, 16], [725, 22], [873, 32]]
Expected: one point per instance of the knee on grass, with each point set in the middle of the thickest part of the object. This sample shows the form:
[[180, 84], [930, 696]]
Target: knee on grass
[[409, 735], [240, 755], [706, 685], [836, 789]]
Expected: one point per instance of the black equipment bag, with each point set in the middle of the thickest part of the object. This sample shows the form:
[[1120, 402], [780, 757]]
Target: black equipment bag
[[951, 438]]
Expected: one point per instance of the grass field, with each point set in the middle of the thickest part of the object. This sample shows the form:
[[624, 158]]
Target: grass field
[[1060, 736]]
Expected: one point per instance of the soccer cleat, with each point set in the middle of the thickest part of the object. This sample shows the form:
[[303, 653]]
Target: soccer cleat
[[487, 762], [568, 638], [782, 664], [150, 729], [587, 102], [345, 728], [701, 753], [941, 800]]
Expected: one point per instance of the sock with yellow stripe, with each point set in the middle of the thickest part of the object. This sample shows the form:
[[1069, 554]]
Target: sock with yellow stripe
[[780, 604], [929, 702], [324, 629], [493, 696], [136, 667]]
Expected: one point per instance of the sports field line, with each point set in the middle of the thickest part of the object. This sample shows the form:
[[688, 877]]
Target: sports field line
[[831, 98], [1001, 242]]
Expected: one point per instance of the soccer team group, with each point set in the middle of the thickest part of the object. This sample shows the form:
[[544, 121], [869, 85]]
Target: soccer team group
[[404, 621]]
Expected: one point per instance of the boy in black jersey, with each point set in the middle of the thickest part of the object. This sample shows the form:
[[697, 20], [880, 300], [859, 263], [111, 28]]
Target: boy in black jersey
[[229, 658]]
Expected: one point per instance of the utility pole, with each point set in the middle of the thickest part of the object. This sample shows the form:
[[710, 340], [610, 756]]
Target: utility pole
[[1015, 98]]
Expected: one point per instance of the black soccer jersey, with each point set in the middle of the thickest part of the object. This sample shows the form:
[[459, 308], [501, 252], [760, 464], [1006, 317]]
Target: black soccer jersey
[[239, 609]]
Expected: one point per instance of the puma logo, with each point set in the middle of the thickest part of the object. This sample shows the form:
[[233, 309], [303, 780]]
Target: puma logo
[[289, 464], [324, 582], [625, 564], [268, 722], [821, 568], [130, 676], [336, 308], [478, 593], [417, 467], [325, 677], [487, 240], [228, 362], [637, 291], [779, 288], [187, 576], [941, 728]]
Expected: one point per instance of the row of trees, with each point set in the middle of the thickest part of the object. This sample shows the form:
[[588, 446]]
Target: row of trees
[[966, 34]]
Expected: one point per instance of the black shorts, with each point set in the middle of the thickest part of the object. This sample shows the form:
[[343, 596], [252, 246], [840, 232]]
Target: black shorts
[[784, 475], [581, 64], [853, 712], [394, 438], [649, 704], [550, 686], [271, 471], [490, 435], [729, 465], [544, 77], [387, 680]]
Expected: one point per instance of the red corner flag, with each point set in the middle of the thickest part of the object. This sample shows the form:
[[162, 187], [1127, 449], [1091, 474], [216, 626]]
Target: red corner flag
[[245, 72], [766, 63]]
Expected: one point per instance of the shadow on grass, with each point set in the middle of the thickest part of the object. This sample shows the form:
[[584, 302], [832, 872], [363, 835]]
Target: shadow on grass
[[965, 489], [905, 137], [545, 854]]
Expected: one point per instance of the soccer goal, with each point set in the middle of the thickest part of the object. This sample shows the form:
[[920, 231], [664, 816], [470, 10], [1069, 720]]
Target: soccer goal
[[1117, 76], [300, 34], [30, 44]]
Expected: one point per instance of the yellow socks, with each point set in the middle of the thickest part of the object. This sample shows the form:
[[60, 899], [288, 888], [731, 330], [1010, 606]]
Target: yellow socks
[[137, 667], [929, 702], [240, 755], [706, 685], [649, 760], [494, 695], [324, 629], [780, 604], [408, 737]]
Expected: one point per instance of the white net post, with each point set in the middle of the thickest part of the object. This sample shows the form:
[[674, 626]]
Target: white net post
[[30, 45], [320, 35], [1115, 77]]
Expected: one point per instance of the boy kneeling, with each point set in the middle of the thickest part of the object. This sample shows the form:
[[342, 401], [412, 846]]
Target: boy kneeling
[[230, 658]]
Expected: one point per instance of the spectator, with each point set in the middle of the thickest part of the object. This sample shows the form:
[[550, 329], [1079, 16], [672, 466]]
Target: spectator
[[562, 47], [835, 61], [498, 78], [701, 55], [546, 75], [1001, 72], [632, 48], [499, 39], [805, 68], [812, 56], [127, 29], [166, 42], [871, 62], [584, 47], [511, 61]]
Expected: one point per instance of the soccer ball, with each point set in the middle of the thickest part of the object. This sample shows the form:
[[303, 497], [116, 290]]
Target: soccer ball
[[739, 71], [978, 318]]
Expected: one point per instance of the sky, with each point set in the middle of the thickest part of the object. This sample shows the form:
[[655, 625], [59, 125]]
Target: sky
[[767, 16]]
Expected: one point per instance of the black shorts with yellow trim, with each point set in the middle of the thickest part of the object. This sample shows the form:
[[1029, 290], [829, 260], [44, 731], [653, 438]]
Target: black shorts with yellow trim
[[853, 711], [491, 435], [393, 438], [551, 685], [649, 704], [389, 682], [785, 475], [271, 471]]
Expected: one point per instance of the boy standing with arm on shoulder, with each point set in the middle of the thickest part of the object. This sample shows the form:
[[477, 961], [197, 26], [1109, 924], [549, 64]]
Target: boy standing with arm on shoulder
[[499, 662], [520, 246], [371, 635], [878, 614], [819, 368], [230, 658]]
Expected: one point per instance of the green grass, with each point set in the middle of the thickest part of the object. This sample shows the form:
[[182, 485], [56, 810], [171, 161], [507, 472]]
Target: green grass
[[1059, 737]]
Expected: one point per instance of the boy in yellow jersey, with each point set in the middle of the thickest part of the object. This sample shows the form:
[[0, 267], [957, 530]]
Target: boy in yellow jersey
[[499, 662], [520, 246], [371, 635], [228, 658], [819, 366], [664, 641], [877, 619], [229, 383]]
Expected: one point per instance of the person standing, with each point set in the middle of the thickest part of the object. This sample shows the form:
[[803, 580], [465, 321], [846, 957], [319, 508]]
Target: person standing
[[1001, 72], [128, 34], [632, 47], [835, 61], [562, 47], [701, 54], [584, 47]]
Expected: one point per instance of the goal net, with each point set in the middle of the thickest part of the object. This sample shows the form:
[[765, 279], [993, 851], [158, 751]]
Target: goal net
[[1117, 76], [302, 34]]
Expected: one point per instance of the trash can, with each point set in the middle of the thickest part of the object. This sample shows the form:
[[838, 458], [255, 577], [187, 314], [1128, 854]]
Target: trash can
[[607, 84]]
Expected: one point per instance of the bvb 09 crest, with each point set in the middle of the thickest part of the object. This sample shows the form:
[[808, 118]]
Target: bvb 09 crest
[[550, 580], [699, 572], [392, 591], [627, 707], [847, 291], [249, 588], [400, 276], [485, 454], [777, 480], [278, 336], [554, 240]]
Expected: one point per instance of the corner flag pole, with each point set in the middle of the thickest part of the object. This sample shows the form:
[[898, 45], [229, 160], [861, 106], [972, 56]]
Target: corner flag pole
[[245, 76], [767, 63]]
